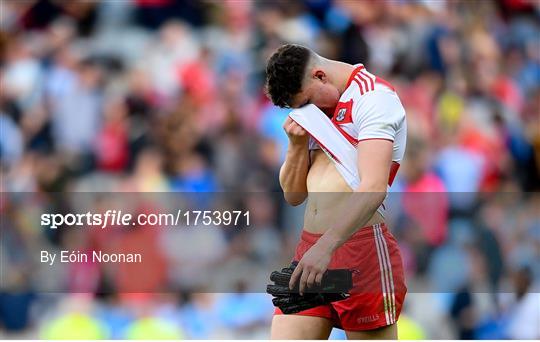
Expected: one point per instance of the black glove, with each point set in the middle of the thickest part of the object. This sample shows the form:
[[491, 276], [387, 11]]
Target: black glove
[[334, 286]]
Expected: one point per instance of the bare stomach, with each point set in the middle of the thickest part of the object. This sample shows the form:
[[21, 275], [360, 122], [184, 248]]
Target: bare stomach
[[328, 196]]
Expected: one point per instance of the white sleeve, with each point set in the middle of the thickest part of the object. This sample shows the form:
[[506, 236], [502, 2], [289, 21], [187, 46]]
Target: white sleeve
[[378, 115]]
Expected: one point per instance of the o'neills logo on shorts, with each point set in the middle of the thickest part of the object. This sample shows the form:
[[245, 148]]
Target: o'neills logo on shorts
[[368, 319]]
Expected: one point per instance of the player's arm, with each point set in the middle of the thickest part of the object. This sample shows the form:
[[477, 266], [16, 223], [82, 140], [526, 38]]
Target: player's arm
[[293, 172], [378, 116], [374, 161]]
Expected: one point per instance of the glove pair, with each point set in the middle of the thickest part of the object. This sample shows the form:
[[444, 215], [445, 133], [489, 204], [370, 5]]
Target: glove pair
[[334, 286]]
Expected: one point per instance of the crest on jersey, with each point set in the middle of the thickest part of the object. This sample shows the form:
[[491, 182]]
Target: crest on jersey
[[341, 114]]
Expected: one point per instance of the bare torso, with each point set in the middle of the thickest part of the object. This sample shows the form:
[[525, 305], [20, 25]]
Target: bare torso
[[327, 190]]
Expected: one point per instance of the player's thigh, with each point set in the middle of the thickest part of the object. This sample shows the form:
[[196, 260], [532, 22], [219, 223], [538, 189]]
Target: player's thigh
[[298, 327], [384, 333]]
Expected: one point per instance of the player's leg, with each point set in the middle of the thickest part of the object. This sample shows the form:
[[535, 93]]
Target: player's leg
[[385, 333], [298, 327]]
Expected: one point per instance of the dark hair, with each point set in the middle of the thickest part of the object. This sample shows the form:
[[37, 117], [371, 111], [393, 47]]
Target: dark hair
[[285, 72]]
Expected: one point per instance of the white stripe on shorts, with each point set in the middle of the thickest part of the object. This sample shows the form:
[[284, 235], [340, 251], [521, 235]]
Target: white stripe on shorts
[[392, 290], [388, 273], [383, 275]]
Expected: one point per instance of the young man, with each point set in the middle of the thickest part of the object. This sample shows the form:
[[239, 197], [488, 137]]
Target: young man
[[340, 232]]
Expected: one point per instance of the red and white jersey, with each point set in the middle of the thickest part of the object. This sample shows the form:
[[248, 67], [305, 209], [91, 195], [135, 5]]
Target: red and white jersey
[[370, 108]]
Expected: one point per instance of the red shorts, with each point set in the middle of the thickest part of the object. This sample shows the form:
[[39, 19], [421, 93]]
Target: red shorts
[[379, 287]]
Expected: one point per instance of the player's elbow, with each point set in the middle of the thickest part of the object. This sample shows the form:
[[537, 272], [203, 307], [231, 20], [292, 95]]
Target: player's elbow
[[295, 198], [375, 190]]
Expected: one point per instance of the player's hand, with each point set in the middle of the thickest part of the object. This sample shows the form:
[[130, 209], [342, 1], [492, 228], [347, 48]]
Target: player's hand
[[312, 266], [297, 135]]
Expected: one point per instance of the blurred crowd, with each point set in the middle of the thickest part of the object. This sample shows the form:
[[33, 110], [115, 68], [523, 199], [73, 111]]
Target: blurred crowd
[[168, 96]]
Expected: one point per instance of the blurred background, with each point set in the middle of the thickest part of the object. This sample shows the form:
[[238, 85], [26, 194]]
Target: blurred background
[[167, 96]]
